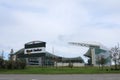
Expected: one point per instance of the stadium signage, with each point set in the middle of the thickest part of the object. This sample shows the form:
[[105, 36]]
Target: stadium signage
[[34, 50]]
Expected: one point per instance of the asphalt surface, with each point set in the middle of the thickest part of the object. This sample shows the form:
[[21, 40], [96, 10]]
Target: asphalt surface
[[60, 77]]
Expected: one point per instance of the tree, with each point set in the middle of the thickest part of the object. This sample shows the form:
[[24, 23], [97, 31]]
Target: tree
[[1, 62], [11, 54], [101, 60], [115, 55]]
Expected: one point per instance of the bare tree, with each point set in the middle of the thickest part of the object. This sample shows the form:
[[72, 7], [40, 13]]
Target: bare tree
[[115, 55]]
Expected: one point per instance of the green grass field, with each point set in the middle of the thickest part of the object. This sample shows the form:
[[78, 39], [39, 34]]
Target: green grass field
[[53, 70]]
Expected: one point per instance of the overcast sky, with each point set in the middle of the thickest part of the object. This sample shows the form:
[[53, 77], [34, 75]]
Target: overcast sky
[[57, 22]]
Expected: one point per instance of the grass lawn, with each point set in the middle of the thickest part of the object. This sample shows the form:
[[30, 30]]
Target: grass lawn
[[60, 70]]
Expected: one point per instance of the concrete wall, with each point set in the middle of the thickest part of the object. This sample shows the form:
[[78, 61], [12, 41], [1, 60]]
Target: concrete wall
[[67, 64], [78, 64]]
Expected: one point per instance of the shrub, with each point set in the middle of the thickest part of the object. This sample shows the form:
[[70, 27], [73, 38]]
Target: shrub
[[14, 64]]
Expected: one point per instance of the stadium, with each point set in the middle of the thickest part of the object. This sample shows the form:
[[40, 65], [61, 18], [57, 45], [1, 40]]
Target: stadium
[[34, 53]]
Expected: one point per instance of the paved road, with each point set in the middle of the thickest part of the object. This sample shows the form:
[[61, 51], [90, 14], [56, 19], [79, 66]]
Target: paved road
[[60, 77]]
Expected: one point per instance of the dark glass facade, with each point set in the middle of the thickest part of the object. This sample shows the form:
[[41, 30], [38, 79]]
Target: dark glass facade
[[35, 45]]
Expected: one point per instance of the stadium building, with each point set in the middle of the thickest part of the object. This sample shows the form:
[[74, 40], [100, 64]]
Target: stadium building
[[34, 53], [97, 53]]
